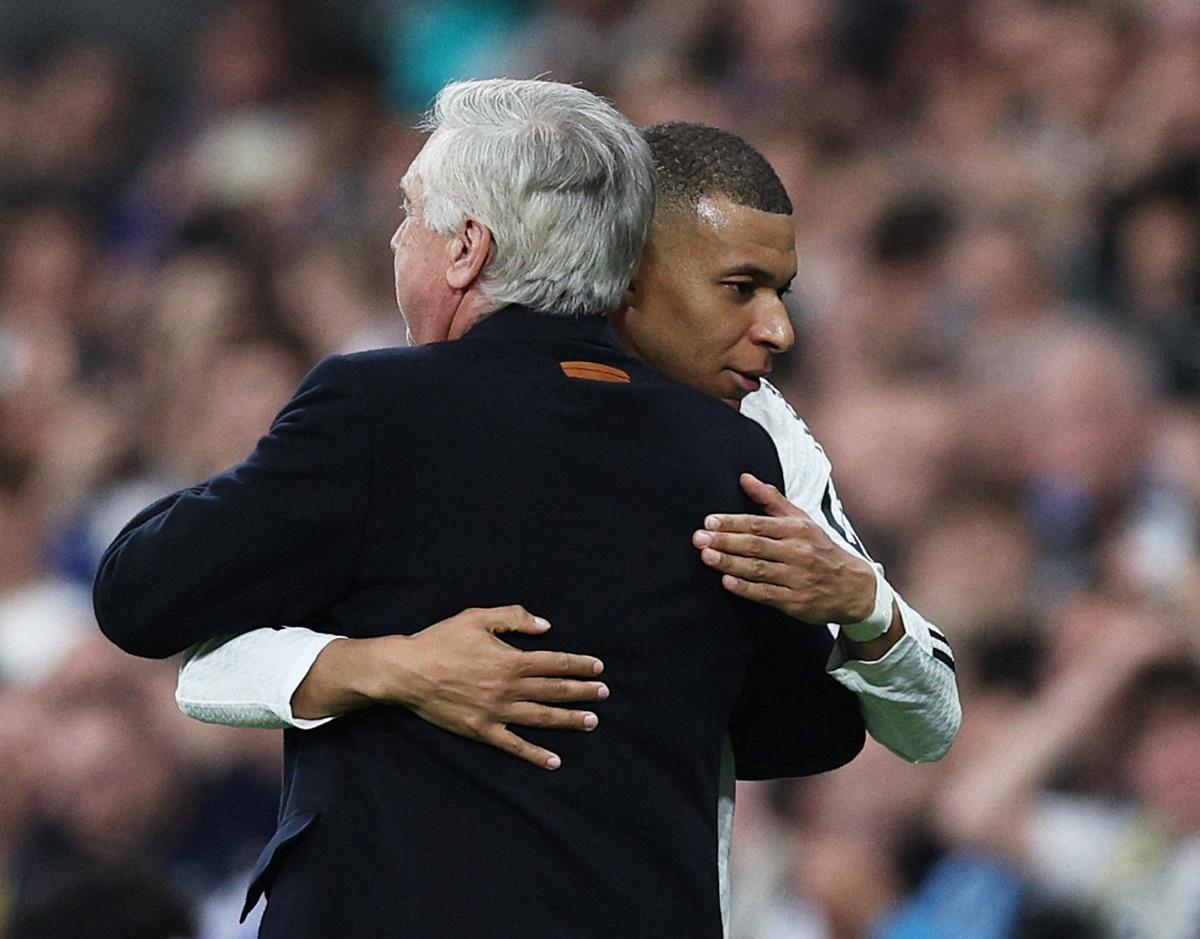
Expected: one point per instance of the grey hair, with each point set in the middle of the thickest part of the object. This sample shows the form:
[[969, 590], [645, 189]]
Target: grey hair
[[564, 182]]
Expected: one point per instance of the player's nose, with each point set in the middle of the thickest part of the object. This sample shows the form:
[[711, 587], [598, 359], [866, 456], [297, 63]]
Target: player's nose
[[773, 328]]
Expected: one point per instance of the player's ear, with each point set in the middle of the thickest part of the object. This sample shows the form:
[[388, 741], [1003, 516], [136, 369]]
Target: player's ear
[[468, 253]]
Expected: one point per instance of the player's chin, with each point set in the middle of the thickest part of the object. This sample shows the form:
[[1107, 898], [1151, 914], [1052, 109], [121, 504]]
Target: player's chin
[[732, 396]]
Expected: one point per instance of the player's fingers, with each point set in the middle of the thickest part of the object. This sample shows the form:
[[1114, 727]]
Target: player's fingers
[[763, 525], [559, 690], [544, 664], [747, 546], [528, 714], [514, 619], [760, 593], [751, 569], [766, 495], [504, 739]]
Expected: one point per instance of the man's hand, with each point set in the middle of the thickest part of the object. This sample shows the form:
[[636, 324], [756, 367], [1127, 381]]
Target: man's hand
[[459, 675], [786, 560]]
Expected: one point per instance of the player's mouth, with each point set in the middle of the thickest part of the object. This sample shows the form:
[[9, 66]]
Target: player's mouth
[[746, 381]]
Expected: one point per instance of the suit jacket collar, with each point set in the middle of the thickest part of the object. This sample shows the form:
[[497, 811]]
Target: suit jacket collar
[[524, 324]]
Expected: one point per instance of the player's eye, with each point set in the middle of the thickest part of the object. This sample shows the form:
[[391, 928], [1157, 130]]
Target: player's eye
[[743, 288]]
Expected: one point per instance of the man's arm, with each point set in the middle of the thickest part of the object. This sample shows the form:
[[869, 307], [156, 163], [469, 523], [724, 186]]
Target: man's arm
[[806, 559], [274, 539], [792, 718], [457, 674]]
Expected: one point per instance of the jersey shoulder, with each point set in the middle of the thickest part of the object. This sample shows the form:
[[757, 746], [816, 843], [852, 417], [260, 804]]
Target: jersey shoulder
[[806, 468], [771, 410]]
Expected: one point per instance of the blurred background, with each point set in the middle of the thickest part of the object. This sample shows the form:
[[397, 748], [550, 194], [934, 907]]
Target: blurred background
[[998, 305]]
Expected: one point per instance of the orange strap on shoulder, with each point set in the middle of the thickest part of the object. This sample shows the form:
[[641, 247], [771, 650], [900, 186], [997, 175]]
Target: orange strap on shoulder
[[594, 371]]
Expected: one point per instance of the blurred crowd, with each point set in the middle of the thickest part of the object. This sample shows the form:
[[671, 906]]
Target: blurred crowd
[[998, 305]]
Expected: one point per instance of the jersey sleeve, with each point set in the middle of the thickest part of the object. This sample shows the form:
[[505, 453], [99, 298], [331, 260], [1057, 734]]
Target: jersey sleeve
[[249, 680], [909, 697]]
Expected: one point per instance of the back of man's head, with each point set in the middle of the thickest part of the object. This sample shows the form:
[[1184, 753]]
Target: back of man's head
[[694, 162], [564, 182]]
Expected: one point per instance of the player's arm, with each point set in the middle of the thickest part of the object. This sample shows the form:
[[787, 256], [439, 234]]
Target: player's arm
[[457, 674], [805, 559]]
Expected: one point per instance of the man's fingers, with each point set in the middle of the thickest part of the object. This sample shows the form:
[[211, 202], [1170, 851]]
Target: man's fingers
[[506, 740], [752, 569], [747, 546], [514, 619], [542, 664], [767, 496], [561, 689], [528, 714]]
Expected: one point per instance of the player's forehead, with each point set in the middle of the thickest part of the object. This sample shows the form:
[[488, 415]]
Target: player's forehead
[[727, 235]]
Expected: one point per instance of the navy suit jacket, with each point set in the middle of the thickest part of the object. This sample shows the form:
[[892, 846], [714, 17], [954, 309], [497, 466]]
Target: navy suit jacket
[[535, 462]]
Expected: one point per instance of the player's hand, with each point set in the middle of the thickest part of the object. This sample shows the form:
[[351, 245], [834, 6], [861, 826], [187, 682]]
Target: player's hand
[[459, 675], [786, 560]]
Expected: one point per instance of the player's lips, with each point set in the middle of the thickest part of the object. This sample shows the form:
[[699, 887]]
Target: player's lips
[[747, 381]]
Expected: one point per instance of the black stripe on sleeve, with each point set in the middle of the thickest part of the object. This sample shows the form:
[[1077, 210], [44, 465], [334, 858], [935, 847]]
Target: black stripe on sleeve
[[848, 537], [937, 635], [943, 658]]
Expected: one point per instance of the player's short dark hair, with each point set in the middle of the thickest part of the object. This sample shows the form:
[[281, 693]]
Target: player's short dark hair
[[696, 161]]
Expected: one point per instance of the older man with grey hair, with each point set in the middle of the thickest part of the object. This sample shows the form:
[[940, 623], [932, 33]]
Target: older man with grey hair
[[530, 460]]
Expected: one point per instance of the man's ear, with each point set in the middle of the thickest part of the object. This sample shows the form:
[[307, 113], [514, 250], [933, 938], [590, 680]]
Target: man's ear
[[627, 302], [468, 253], [619, 318]]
